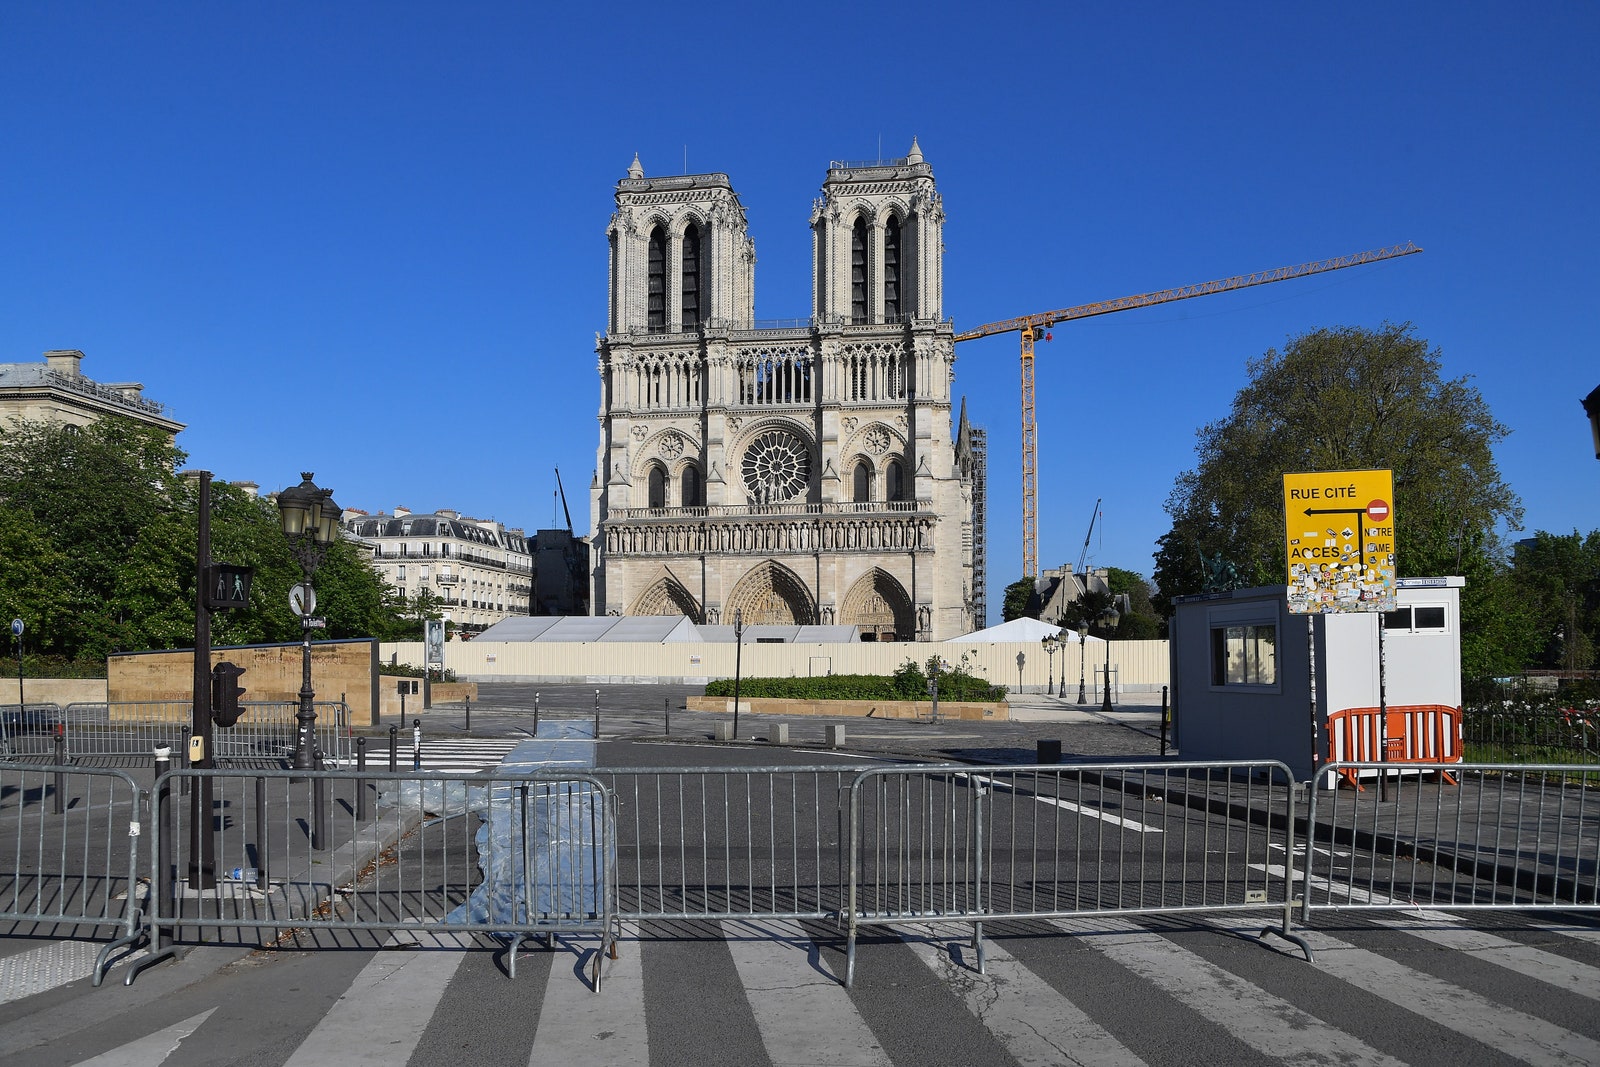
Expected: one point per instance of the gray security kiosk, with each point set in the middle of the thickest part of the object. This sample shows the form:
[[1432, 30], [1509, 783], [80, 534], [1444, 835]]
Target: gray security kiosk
[[1241, 688]]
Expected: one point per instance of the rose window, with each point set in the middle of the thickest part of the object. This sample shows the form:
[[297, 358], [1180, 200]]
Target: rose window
[[671, 445], [777, 466], [878, 440]]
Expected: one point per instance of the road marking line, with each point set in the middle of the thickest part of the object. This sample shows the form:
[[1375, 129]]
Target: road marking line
[[1579, 978], [797, 1007], [1037, 1025], [579, 1027], [381, 1017], [150, 1049], [1473, 1016], [1271, 1025], [1093, 813]]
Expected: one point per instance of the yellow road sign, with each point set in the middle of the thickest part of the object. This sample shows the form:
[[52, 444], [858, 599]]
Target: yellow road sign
[[1339, 532]]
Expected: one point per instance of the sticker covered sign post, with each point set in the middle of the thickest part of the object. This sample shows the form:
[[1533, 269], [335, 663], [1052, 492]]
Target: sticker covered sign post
[[1339, 534]]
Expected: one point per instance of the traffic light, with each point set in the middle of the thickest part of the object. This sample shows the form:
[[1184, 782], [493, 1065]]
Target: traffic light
[[225, 693]]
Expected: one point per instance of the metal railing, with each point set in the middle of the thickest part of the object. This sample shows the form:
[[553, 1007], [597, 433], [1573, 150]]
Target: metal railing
[[1507, 836], [69, 840], [130, 730], [1511, 732], [515, 855], [950, 844], [729, 843]]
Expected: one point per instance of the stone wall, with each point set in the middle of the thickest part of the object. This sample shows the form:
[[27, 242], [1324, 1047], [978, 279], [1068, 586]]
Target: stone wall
[[877, 709], [272, 672]]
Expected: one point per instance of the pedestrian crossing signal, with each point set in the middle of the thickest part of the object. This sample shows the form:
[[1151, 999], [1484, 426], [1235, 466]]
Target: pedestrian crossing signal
[[225, 693], [228, 586]]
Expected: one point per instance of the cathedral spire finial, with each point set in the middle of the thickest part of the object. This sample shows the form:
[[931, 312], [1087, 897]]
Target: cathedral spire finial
[[635, 171], [915, 155]]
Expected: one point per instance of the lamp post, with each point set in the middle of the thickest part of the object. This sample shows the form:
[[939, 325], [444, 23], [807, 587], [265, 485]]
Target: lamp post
[[1083, 650], [1051, 644], [311, 524], [1591, 405], [1108, 622]]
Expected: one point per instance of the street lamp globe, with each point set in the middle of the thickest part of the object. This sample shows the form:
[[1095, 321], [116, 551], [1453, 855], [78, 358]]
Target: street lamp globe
[[297, 505]]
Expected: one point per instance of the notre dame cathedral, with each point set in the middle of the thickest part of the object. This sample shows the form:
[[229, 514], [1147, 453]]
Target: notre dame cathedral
[[802, 472]]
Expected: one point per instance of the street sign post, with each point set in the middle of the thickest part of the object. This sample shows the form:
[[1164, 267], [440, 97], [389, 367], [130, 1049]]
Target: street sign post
[[1339, 535]]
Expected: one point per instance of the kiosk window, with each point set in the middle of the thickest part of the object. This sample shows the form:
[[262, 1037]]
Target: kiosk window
[[1417, 619], [1244, 655]]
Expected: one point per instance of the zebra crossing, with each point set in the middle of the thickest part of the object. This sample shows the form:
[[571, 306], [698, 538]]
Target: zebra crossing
[[460, 755], [1420, 987]]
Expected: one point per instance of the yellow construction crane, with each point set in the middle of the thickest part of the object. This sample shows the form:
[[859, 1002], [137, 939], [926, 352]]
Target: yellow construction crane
[[1032, 327]]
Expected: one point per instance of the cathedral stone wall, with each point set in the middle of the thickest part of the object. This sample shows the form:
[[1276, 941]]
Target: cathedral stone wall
[[802, 473]]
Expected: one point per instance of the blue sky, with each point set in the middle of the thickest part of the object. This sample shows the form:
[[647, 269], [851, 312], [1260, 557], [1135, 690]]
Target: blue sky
[[368, 239]]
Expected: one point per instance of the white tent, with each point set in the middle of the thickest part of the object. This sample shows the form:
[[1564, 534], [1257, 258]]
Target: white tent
[[1024, 629]]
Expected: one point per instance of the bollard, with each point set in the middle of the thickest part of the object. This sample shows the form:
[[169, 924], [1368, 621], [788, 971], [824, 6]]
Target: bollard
[[394, 747], [416, 744], [469, 713], [164, 888], [61, 758], [262, 860], [597, 714], [835, 733], [361, 779], [1047, 750], [319, 813], [778, 733], [1163, 722], [666, 713], [536, 715], [721, 730]]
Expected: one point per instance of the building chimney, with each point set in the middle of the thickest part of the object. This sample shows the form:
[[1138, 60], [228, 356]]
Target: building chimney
[[64, 361]]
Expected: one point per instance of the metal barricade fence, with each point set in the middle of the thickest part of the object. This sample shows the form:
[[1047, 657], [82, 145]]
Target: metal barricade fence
[[946, 843], [729, 843], [1507, 836], [69, 853], [511, 854], [132, 729], [28, 730]]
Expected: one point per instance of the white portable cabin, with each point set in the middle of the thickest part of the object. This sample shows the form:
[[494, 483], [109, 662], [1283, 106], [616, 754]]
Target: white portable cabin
[[1241, 688]]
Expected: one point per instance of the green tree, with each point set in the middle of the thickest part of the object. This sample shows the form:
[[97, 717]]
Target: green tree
[[1556, 577], [98, 530], [1347, 398], [1017, 597]]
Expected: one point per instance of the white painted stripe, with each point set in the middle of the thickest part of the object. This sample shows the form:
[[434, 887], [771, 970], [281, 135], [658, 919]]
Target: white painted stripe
[[1575, 977], [150, 1049], [579, 1027], [1080, 809], [1353, 893], [804, 1014], [1517, 1034], [1267, 1023], [380, 1018], [1037, 1025]]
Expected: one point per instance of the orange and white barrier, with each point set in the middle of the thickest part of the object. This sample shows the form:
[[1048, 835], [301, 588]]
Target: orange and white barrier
[[1413, 734]]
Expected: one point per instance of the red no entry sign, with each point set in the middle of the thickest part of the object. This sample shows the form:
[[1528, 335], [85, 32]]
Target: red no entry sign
[[1378, 510]]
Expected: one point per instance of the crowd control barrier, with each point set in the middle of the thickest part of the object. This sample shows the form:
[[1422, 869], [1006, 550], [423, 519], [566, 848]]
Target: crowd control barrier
[[947, 844], [1412, 733], [1506, 836], [69, 854]]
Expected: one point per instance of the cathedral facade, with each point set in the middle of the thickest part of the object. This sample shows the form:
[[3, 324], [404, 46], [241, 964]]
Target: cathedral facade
[[801, 473]]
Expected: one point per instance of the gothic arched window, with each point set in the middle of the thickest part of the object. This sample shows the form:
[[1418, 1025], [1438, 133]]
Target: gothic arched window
[[858, 272], [658, 487], [691, 487], [863, 483], [894, 482], [691, 277], [891, 269], [656, 310]]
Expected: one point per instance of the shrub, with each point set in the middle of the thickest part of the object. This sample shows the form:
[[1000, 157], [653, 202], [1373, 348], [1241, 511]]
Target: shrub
[[909, 682]]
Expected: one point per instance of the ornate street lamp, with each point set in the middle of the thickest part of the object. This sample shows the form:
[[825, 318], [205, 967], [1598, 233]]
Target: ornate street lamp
[[738, 647], [1051, 645], [1591, 405], [1083, 648], [311, 524], [1108, 620]]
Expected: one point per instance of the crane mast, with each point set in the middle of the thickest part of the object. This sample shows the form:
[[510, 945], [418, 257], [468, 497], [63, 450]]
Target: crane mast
[[1033, 327]]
